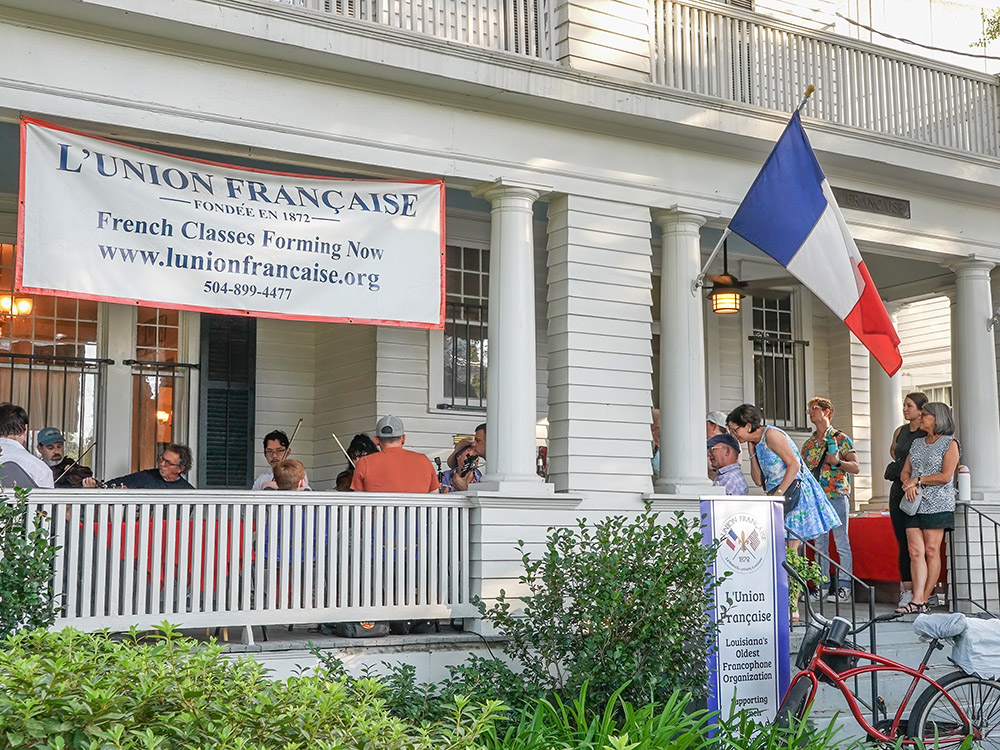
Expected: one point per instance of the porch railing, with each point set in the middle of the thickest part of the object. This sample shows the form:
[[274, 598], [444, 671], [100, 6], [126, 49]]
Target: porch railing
[[220, 558], [974, 548], [522, 27], [720, 51]]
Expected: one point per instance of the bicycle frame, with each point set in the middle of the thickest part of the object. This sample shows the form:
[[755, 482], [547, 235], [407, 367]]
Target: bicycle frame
[[878, 664]]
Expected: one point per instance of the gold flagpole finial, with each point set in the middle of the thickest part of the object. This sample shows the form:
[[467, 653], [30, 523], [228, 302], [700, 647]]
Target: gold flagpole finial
[[809, 92]]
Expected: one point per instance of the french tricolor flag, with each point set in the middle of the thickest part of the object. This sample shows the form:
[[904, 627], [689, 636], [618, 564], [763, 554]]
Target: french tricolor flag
[[790, 213]]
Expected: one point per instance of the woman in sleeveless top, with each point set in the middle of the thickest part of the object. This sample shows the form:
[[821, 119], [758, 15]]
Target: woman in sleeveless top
[[899, 449], [775, 465], [929, 473]]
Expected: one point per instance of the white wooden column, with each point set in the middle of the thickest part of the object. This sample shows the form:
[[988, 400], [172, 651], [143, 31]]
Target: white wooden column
[[974, 351], [117, 342], [511, 374], [683, 464], [886, 416]]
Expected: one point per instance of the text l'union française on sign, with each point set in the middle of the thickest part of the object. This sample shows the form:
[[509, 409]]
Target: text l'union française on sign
[[104, 220], [749, 668]]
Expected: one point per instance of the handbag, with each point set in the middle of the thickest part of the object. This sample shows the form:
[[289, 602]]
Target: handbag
[[892, 471], [910, 507], [792, 496]]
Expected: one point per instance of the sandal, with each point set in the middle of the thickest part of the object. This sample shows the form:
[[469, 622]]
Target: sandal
[[912, 608]]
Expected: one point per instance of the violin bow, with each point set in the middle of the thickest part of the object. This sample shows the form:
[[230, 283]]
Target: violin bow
[[342, 448], [289, 448], [77, 462]]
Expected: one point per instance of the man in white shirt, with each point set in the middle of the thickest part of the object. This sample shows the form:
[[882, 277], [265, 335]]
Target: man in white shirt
[[13, 434], [276, 450]]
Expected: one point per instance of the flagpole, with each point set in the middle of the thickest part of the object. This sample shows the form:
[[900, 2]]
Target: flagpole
[[699, 282], [805, 99]]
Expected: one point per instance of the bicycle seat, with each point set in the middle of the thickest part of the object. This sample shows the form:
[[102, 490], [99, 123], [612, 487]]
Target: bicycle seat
[[942, 626]]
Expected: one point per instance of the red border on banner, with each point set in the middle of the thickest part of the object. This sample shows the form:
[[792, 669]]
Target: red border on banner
[[19, 250]]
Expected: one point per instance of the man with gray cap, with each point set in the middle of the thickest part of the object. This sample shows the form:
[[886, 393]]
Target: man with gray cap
[[715, 424], [724, 458], [65, 471], [393, 468]]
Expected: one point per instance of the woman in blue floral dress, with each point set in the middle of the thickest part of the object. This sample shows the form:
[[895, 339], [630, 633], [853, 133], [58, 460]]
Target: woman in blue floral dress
[[777, 466]]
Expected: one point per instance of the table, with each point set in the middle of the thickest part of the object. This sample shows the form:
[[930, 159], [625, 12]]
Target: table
[[875, 551]]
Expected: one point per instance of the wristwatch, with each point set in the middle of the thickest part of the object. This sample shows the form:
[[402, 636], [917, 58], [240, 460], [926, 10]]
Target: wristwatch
[[919, 483]]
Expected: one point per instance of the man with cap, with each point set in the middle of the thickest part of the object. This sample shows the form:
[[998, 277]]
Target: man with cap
[[393, 468], [724, 458], [51, 447], [462, 469], [715, 424]]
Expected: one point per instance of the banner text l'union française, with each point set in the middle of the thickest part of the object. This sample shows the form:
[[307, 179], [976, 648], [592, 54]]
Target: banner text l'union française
[[103, 220]]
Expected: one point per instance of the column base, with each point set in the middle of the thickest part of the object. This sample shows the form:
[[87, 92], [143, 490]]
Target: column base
[[986, 496], [688, 487], [515, 484]]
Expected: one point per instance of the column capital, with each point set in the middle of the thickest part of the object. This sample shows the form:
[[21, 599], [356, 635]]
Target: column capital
[[504, 188], [682, 214], [972, 266]]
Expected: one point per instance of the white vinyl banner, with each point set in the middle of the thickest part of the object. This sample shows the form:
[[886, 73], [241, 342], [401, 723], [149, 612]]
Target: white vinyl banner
[[749, 668], [102, 220]]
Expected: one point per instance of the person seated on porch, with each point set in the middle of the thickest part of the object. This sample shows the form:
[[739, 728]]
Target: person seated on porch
[[462, 462], [393, 468], [361, 445], [776, 465], [290, 476], [461, 483], [715, 424], [724, 457], [276, 450], [13, 434], [173, 461], [51, 447]]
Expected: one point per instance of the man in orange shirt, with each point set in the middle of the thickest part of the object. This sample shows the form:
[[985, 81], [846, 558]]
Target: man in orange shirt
[[393, 468]]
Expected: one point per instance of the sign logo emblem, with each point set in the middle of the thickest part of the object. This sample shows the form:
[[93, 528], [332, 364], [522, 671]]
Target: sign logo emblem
[[744, 543]]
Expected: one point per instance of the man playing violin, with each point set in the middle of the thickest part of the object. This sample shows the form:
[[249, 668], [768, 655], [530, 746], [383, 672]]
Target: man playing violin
[[51, 447], [463, 472]]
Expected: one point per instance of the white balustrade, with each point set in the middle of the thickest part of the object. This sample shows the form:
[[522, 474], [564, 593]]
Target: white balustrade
[[519, 26], [213, 558], [719, 51]]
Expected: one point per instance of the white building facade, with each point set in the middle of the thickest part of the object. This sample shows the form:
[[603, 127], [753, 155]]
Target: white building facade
[[592, 155]]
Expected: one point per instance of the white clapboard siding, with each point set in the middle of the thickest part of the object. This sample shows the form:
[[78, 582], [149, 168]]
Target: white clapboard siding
[[285, 379], [345, 378], [610, 38], [850, 393], [599, 348], [219, 558], [729, 351], [925, 343]]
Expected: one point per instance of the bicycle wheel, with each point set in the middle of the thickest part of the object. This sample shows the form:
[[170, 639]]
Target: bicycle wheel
[[794, 704], [934, 716]]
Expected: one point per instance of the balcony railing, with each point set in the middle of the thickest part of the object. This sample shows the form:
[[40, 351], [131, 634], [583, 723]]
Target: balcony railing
[[518, 26], [216, 558], [719, 51]]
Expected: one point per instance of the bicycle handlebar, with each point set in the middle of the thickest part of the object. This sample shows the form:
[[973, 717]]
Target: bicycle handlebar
[[818, 618]]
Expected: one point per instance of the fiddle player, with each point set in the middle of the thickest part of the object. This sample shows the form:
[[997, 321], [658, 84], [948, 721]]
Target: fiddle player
[[51, 447], [277, 447], [463, 472]]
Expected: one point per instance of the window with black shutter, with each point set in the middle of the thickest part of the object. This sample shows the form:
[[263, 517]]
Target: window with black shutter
[[228, 376]]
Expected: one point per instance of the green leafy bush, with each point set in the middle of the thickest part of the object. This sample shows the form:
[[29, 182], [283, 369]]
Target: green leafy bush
[[621, 603], [25, 567], [75, 690]]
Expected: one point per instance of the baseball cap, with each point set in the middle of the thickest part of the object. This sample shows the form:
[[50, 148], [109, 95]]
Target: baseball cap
[[724, 440], [49, 435], [389, 427], [717, 417]]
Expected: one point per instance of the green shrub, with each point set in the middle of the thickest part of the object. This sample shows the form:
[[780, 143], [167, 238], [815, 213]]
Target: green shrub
[[621, 603], [25, 567], [75, 690]]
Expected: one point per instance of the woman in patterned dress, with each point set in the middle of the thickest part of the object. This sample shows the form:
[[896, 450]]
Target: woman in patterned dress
[[929, 472], [775, 465]]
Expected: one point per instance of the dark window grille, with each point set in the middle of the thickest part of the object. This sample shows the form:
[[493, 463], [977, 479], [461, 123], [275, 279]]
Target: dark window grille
[[62, 392], [466, 350], [778, 363], [160, 393]]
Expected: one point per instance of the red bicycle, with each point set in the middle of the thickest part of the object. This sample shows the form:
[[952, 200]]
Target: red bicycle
[[947, 710]]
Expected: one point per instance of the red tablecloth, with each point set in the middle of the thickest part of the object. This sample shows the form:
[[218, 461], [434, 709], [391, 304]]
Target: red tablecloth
[[875, 552]]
